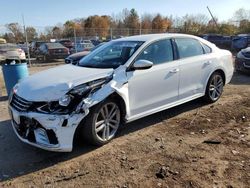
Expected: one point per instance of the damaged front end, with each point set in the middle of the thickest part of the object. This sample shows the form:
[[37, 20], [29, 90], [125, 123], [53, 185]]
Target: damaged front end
[[52, 125]]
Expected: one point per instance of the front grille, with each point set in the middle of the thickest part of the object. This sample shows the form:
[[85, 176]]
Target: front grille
[[19, 103], [247, 64]]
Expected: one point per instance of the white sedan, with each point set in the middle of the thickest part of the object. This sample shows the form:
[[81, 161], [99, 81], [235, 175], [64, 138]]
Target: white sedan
[[10, 52], [123, 80]]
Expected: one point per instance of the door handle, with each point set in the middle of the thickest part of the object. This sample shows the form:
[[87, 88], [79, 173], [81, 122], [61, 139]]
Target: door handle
[[174, 71]]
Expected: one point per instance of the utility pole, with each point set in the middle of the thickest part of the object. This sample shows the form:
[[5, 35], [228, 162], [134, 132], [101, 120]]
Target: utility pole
[[26, 38], [212, 17], [75, 38], [140, 27], [111, 33]]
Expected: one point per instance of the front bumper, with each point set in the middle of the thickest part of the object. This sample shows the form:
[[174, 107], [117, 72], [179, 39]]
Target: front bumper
[[71, 61], [46, 131], [242, 65]]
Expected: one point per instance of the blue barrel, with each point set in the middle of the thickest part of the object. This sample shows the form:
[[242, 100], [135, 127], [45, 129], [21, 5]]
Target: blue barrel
[[12, 73]]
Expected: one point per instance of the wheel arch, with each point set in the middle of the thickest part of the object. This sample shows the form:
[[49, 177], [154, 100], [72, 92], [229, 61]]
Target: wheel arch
[[122, 104], [221, 72]]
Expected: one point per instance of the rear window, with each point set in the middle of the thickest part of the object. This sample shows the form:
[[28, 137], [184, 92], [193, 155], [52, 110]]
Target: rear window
[[188, 47], [8, 46]]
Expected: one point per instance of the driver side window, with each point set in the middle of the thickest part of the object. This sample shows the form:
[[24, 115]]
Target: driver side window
[[158, 52]]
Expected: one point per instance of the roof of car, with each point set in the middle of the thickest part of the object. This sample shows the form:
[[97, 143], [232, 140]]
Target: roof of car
[[8, 46], [151, 37]]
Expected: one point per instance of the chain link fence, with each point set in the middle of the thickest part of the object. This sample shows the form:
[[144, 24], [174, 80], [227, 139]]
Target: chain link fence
[[74, 34]]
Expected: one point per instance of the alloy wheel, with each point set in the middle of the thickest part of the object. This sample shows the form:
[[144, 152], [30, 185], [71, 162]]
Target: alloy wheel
[[107, 121], [216, 87]]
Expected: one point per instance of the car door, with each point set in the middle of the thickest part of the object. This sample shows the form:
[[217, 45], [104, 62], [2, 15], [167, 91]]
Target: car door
[[195, 66], [157, 86]]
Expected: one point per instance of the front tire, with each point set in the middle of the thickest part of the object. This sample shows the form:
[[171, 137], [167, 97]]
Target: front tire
[[102, 123], [214, 88]]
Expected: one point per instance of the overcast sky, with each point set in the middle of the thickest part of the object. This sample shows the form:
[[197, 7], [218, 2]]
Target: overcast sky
[[50, 12]]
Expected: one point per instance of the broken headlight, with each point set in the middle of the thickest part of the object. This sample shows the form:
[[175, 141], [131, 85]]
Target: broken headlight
[[70, 100], [65, 100]]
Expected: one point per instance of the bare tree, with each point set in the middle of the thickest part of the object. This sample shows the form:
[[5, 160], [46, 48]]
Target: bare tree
[[31, 33], [16, 31]]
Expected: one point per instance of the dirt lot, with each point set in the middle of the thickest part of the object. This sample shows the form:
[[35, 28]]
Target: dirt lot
[[166, 149]]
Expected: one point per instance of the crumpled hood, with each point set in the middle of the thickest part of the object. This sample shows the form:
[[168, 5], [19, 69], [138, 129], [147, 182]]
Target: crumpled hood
[[53, 83]]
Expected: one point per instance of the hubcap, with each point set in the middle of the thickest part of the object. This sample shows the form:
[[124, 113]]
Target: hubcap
[[107, 121], [216, 87]]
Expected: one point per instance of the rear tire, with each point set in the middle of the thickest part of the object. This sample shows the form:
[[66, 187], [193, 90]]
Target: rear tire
[[214, 88], [102, 123]]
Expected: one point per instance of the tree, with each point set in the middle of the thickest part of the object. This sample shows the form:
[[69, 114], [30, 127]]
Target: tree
[[227, 29], [146, 23], [68, 29], [98, 25], [242, 17], [194, 24], [132, 22], [241, 14], [31, 33], [9, 37], [244, 26], [161, 24], [16, 31], [43, 37], [49, 33], [57, 32]]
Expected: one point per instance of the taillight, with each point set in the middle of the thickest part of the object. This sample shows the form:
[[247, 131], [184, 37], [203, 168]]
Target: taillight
[[20, 51]]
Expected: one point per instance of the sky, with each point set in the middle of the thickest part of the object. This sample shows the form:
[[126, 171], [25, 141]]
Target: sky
[[42, 13]]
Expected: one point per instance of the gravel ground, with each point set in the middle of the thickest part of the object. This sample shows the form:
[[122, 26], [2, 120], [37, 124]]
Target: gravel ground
[[192, 145]]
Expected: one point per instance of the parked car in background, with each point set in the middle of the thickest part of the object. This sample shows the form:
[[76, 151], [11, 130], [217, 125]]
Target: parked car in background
[[76, 57], [242, 61], [79, 47], [2, 41], [221, 41], [52, 50], [24, 47], [86, 41], [10, 52], [67, 43], [34, 47], [240, 41], [95, 42], [121, 81]]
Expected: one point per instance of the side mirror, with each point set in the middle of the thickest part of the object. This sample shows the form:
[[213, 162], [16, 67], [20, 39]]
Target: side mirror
[[142, 64]]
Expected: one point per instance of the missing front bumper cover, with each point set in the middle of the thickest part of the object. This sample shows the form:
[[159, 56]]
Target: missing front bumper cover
[[34, 132]]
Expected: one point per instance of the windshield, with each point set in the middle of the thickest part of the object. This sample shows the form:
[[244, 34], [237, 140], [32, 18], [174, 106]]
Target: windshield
[[111, 55]]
